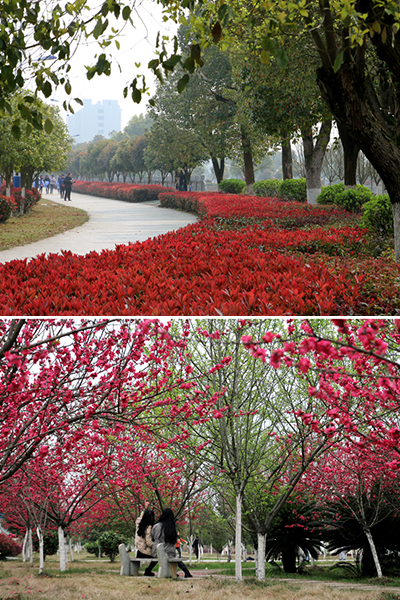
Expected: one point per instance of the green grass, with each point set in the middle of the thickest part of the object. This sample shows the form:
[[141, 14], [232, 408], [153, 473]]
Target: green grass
[[46, 219]]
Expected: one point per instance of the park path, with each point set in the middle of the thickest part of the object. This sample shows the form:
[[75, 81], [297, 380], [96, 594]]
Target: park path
[[111, 222]]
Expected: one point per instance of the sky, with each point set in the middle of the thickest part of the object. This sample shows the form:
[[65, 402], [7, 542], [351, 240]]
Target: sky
[[137, 46]]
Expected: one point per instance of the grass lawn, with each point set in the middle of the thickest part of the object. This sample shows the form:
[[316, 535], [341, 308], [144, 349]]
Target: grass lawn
[[93, 579], [47, 218]]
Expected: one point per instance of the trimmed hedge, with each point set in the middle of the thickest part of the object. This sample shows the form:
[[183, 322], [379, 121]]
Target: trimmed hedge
[[232, 186], [293, 189], [128, 192], [351, 200], [378, 215], [267, 188]]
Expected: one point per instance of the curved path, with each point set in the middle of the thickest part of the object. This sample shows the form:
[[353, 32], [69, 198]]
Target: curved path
[[111, 222]]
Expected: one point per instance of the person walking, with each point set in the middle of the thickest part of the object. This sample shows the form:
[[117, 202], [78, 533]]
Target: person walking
[[164, 532], [60, 185], [182, 182], [143, 539], [68, 187], [195, 546], [179, 541]]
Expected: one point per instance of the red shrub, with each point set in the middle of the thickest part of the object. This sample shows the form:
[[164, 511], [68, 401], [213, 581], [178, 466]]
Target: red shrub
[[8, 546], [120, 191]]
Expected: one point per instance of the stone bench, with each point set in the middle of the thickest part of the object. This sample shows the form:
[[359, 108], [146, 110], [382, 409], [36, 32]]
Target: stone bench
[[167, 566], [130, 566]]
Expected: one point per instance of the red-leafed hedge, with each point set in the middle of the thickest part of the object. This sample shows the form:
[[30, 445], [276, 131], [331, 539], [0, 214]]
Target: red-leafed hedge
[[271, 210], [195, 271], [120, 191], [247, 256]]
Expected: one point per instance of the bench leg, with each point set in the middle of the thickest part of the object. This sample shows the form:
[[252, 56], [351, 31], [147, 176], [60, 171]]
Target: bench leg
[[174, 568], [135, 568]]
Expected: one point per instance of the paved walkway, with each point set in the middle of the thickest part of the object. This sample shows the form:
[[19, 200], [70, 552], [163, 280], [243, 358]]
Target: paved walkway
[[111, 222]]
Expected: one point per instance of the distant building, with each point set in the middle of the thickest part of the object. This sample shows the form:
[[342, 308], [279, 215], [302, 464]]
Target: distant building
[[100, 118]]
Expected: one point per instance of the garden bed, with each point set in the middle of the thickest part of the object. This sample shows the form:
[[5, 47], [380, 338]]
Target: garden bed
[[247, 256]]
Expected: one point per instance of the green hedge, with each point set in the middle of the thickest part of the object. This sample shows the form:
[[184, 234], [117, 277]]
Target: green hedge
[[267, 188], [293, 189], [378, 216], [351, 200], [232, 186]]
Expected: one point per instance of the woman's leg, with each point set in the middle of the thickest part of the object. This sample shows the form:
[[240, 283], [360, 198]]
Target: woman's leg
[[184, 568], [150, 567]]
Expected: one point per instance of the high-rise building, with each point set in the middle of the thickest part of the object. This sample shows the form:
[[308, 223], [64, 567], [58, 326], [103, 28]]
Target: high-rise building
[[100, 118]]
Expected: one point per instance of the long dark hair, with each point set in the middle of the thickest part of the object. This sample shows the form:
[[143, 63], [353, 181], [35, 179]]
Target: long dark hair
[[147, 519], [167, 521]]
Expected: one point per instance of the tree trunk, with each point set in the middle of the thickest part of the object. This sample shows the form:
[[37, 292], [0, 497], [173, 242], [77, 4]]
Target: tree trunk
[[261, 556], [238, 538], [219, 168], [41, 549], [287, 163], [247, 159], [373, 551], [347, 95], [350, 153], [61, 548], [314, 155], [30, 545], [71, 552], [289, 560], [24, 546]]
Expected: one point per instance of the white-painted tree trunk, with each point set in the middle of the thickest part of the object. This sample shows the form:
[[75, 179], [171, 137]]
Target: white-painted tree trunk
[[373, 551], [238, 539], [61, 548], [30, 545], [71, 552], [24, 546], [190, 540], [261, 556], [41, 549], [211, 550]]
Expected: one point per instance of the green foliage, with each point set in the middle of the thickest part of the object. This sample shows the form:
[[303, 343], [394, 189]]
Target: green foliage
[[378, 216], [267, 188], [138, 125], [293, 189], [330, 194], [351, 199], [353, 570], [109, 542], [92, 548], [50, 542], [292, 529], [232, 186]]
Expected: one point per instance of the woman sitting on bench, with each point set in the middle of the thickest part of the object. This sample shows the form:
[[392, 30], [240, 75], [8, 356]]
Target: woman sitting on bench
[[143, 539], [164, 532]]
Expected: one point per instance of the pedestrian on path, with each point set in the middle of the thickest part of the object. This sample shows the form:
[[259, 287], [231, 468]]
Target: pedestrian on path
[[68, 187], [179, 541]]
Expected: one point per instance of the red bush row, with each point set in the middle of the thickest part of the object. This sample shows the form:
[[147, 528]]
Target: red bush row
[[272, 210], [120, 191], [194, 271], [16, 204]]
